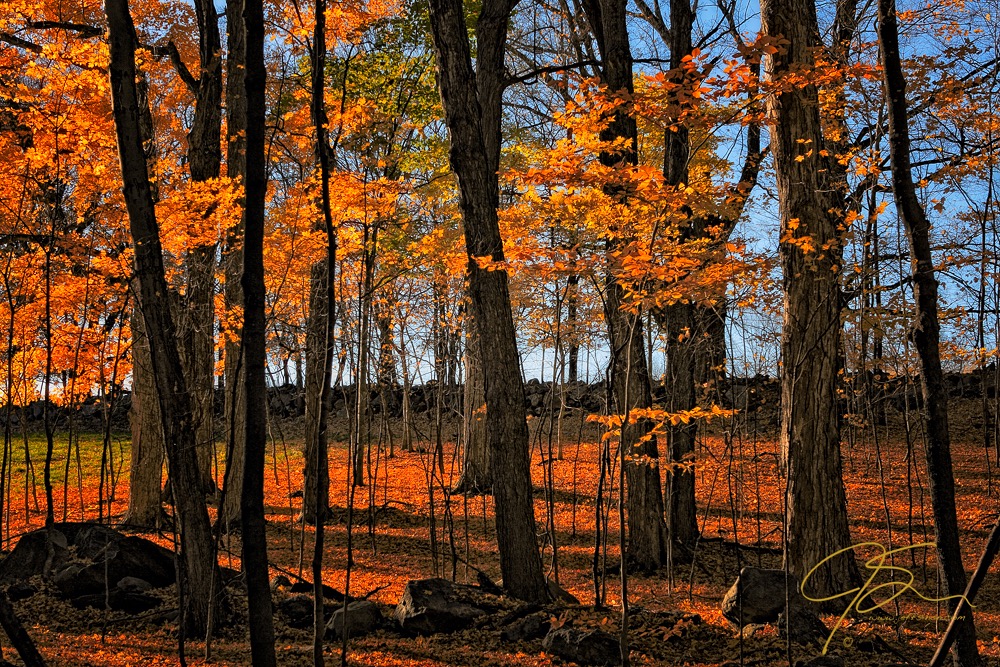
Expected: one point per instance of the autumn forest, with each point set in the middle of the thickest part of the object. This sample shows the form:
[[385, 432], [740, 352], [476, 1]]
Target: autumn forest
[[499, 332]]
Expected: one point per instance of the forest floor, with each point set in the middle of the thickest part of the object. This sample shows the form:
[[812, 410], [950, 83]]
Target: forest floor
[[740, 500]]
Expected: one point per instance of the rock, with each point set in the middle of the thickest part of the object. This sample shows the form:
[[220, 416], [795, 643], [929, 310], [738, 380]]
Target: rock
[[560, 594], [134, 585], [20, 590], [488, 584], [329, 592], [30, 556], [430, 606], [130, 603], [531, 627], [805, 627], [362, 617], [297, 611], [762, 596], [593, 647], [64, 576], [112, 557]]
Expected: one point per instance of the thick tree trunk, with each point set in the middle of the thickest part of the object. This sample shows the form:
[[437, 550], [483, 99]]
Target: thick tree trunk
[[198, 343], [255, 563], [146, 471], [19, 637], [317, 471], [682, 376], [145, 504], [232, 259], [204, 159], [473, 138], [476, 476], [629, 376], [197, 547], [628, 372], [810, 346], [926, 337]]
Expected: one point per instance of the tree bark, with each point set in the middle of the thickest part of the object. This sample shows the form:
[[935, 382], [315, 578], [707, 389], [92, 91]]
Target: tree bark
[[317, 470], [476, 477], [473, 136], [810, 344], [197, 548], [232, 258], [628, 372], [323, 330], [255, 562], [204, 160], [679, 321], [926, 331], [145, 506]]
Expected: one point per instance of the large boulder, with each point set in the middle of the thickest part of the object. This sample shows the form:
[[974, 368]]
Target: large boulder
[[804, 626], [760, 595], [430, 606], [88, 561], [297, 611], [584, 647], [533, 626], [119, 600], [361, 618]]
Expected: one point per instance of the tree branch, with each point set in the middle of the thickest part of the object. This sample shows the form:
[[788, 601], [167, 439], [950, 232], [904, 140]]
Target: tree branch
[[20, 43], [82, 28], [182, 71], [548, 69]]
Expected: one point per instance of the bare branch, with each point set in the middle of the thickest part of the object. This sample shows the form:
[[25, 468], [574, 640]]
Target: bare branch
[[82, 28], [182, 71], [20, 43], [548, 69]]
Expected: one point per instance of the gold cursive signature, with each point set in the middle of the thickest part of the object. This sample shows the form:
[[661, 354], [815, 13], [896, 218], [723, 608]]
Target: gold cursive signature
[[876, 564]]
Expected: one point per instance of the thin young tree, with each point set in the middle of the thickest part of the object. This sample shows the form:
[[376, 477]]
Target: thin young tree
[[316, 447], [926, 336]]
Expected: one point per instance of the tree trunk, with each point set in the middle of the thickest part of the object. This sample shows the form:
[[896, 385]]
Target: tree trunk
[[573, 327], [19, 637], [198, 341], [682, 376], [205, 159], [810, 257], [474, 126], [232, 258], [406, 442], [476, 478], [317, 470], [628, 372], [146, 472], [255, 563], [145, 504], [926, 336], [197, 547]]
